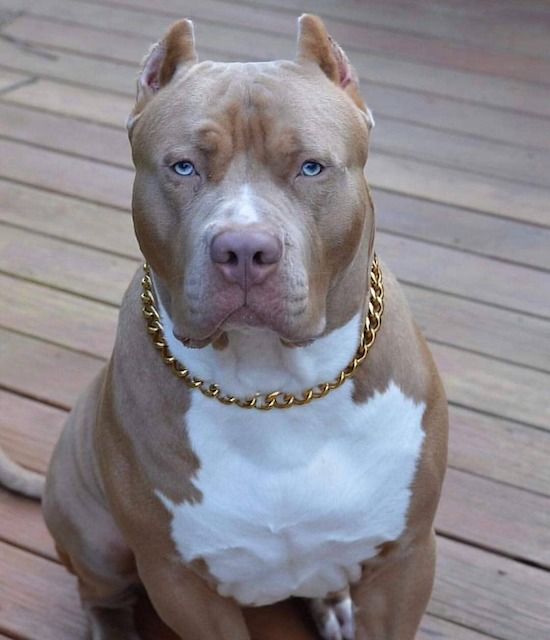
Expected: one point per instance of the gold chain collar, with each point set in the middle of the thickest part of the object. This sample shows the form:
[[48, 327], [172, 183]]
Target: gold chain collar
[[275, 399]]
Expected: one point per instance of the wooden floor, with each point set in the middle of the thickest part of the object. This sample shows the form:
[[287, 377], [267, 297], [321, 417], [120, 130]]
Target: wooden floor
[[460, 166]]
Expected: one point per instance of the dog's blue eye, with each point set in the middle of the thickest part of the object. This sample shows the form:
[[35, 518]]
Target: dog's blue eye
[[184, 168], [311, 168]]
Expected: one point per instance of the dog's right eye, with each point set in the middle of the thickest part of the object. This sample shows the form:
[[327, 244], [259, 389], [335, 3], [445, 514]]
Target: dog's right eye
[[184, 168]]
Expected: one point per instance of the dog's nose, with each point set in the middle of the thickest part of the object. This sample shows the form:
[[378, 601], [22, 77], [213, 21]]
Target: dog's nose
[[246, 257]]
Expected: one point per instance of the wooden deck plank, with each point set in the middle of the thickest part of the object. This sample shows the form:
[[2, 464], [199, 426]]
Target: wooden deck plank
[[85, 103], [521, 36], [499, 449], [67, 135], [33, 590], [352, 36], [44, 371], [59, 317], [67, 218], [494, 387], [511, 94], [23, 527], [531, 243], [29, 430], [474, 509], [440, 52], [459, 188], [459, 273], [487, 235], [482, 591], [457, 151], [440, 112], [9, 80], [479, 327], [99, 275], [58, 172], [498, 517]]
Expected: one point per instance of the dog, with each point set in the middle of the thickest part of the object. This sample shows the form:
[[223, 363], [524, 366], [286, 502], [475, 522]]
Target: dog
[[271, 423]]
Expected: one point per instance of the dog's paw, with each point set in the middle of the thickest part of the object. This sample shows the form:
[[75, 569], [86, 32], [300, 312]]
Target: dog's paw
[[334, 616]]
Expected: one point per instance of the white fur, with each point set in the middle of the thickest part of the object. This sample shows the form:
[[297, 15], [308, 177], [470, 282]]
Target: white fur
[[293, 500], [242, 209]]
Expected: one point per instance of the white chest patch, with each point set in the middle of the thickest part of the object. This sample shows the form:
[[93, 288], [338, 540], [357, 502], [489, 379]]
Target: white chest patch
[[294, 501]]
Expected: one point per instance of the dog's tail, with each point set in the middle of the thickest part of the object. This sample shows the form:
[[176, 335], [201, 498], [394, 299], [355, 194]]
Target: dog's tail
[[20, 480]]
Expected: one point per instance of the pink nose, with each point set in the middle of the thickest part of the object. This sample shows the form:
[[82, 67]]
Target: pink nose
[[246, 257]]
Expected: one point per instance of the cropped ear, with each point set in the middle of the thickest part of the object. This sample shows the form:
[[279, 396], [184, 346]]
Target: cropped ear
[[316, 45], [159, 66]]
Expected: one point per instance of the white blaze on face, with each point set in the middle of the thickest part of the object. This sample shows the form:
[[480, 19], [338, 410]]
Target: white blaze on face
[[242, 209]]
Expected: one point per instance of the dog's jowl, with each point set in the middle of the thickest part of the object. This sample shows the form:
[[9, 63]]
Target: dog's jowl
[[270, 423]]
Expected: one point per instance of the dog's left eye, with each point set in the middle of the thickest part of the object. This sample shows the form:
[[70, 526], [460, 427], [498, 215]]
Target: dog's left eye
[[310, 168], [184, 168]]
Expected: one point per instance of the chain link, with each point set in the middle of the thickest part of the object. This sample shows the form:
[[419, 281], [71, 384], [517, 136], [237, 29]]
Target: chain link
[[275, 399]]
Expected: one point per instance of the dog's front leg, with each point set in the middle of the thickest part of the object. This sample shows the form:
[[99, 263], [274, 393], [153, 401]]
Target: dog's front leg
[[187, 604], [390, 603]]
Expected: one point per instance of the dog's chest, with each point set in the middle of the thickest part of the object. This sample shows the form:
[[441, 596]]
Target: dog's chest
[[293, 501]]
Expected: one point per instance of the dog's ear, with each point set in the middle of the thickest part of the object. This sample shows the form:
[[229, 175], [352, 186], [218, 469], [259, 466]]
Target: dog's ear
[[316, 45], [175, 50]]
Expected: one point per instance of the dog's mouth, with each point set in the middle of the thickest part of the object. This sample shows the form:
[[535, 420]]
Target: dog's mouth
[[242, 318]]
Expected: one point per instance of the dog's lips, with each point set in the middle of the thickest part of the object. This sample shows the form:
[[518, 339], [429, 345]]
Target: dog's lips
[[241, 317], [244, 316]]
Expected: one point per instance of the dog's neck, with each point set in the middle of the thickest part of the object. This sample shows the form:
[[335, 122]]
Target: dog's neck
[[254, 360]]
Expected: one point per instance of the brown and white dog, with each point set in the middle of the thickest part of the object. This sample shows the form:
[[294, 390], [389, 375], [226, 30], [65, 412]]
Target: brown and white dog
[[252, 210]]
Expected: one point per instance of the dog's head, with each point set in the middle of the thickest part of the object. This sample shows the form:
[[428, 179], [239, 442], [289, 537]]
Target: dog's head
[[250, 201]]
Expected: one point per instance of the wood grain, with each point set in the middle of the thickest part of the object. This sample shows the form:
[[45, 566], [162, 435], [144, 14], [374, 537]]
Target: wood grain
[[67, 218], [498, 388], [44, 371], [366, 37], [59, 317], [490, 594], [100, 276], [501, 238], [502, 518], [9, 80], [58, 172], [29, 430], [72, 136], [525, 35], [500, 449], [78, 102], [500, 92]]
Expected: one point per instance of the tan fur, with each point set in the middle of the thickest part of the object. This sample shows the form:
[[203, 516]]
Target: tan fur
[[126, 437]]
